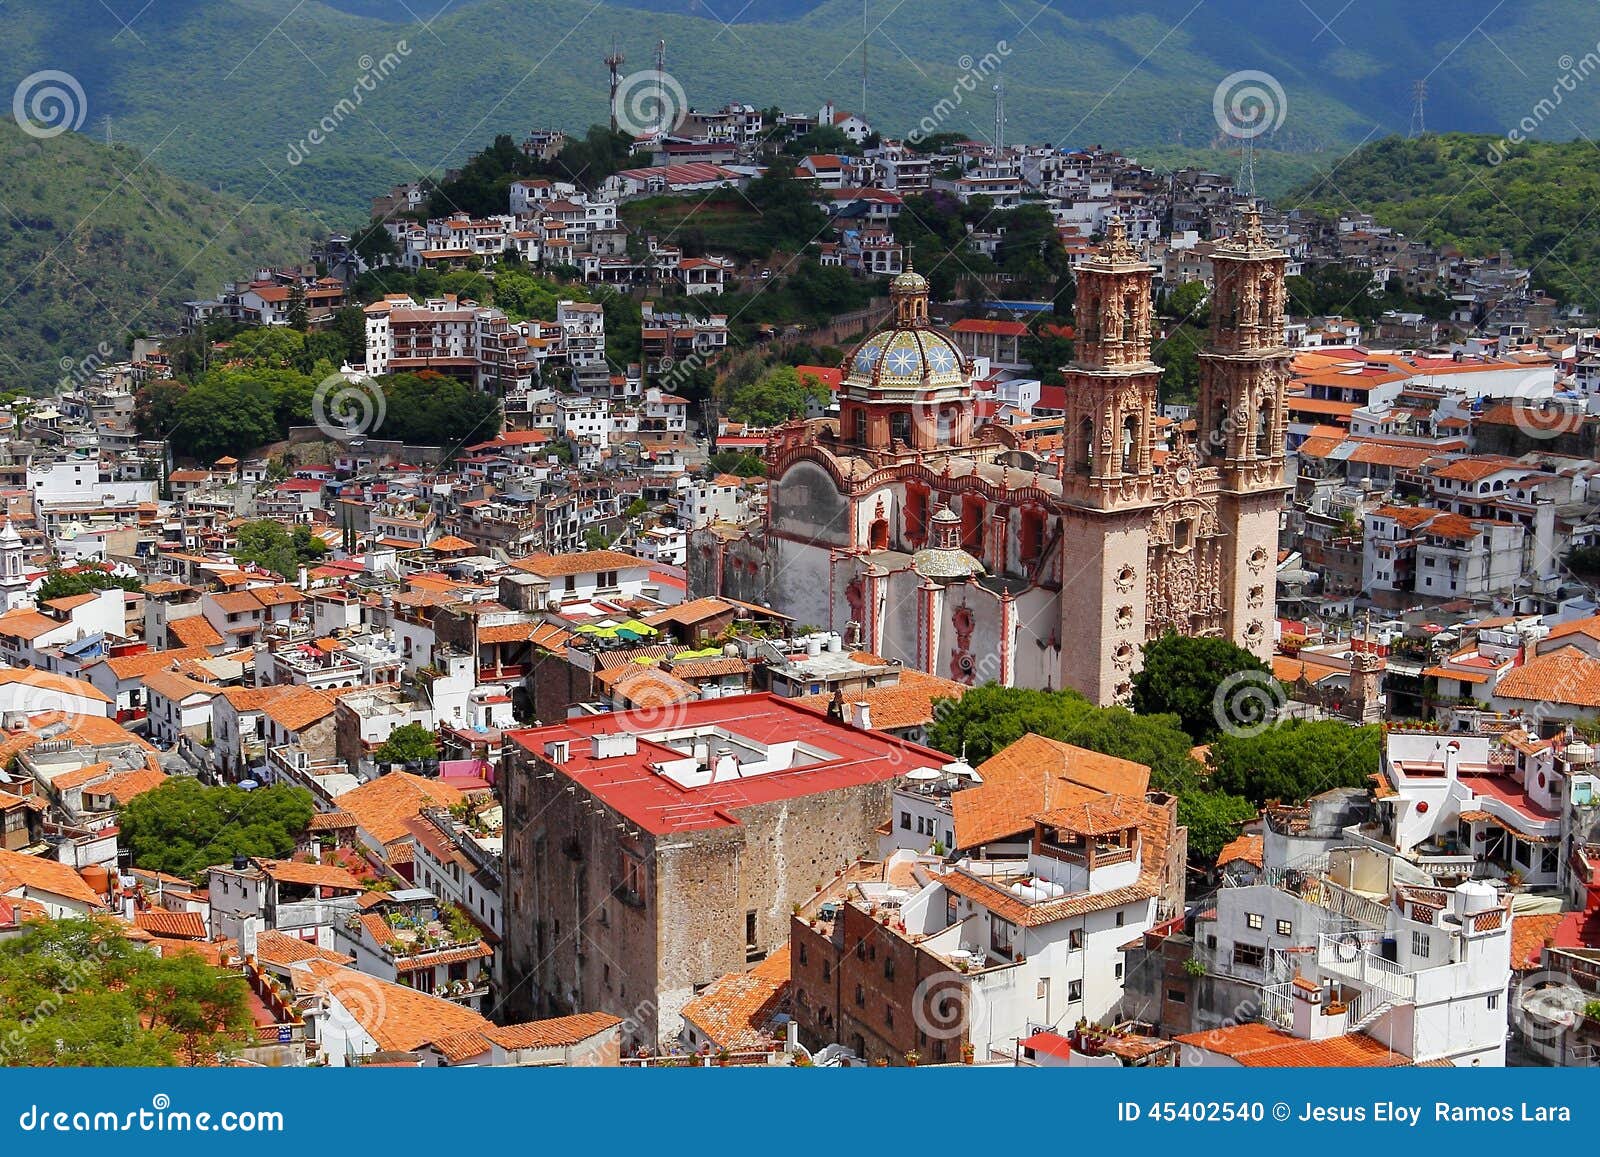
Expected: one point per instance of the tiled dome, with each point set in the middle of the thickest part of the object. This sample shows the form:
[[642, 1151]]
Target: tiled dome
[[906, 357]]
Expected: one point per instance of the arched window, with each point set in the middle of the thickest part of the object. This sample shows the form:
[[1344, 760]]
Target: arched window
[[1264, 432], [1085, 452], [900, 428], [878, 536], [1130, 444], [972, 512]]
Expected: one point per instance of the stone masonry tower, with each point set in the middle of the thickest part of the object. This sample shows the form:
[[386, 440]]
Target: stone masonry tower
[[1241, 424], [1108, 470]]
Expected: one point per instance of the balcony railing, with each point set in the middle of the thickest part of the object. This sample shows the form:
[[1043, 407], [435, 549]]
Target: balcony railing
[[1349, 955]]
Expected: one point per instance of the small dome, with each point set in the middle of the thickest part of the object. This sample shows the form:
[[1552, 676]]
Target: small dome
[[908, 357], [946, 565], [909, 282]]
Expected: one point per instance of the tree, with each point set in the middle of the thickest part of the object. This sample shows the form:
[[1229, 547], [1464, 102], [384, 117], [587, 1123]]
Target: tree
[[62, 584], [1186, 677], [777, 395], [429, 409], [1295, 759], [185, 827], [276, 547], [737, 462], [226, 412], [790, 217], [989, 718], [410, 743], [77, 992]]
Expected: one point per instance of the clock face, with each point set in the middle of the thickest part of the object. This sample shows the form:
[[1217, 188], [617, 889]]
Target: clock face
[[1184, 475]]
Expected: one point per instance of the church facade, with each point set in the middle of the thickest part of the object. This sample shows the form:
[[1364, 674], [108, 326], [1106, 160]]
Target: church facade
[[955, 551]]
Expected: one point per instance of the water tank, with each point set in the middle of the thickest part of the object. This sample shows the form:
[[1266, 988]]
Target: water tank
[[1473, 896], [1579, 754], [813, 646], [835, 644]]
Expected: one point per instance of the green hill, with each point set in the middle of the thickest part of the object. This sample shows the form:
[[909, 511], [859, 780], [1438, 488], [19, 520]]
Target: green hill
[[97, 244], [224, 93], [1538, 201]]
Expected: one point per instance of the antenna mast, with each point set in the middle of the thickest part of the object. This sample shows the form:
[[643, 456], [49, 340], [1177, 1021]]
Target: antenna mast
[[614, 63], [999, 118], [866, 34], [661, 73]]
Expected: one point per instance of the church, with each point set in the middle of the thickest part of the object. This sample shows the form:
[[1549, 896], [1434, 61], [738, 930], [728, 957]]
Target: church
[[955, 551]]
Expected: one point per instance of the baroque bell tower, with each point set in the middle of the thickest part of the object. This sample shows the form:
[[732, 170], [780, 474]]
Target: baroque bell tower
[[1108, 471], [1241, 423]]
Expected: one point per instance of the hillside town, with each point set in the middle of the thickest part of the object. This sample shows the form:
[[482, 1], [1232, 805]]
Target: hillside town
[[801, 687]]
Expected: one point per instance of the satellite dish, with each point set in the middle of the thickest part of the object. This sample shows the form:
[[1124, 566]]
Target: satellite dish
[[1348, 948]]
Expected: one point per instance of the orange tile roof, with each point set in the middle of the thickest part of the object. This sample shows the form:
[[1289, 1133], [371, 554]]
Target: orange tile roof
[[1008, 907], [1247, 848], [907, 703], [583, 562], [130, 784], [310, 875], [450, 542], [398, 1018], [160, 922], [1564, 676], [556, 1032], [50, 681], [27, 624], [1014, 786], [382, 806], [1528, 936], [1089, 812], [300, 709], [38, 874], [1588, 626], [1289, 669], [137, 666], [1259, 1046], [275, 948], [1476, 469], [194, 631], [733, 1012]]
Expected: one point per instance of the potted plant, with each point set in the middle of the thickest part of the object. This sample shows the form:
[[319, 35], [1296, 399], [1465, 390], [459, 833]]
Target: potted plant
[[913, 1057], [968, 1053]]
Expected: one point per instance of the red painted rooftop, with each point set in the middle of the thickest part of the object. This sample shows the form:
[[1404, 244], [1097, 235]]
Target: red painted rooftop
[[659, 805]]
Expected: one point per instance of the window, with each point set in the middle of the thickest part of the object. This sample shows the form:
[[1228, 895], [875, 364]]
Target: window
[[1494, 1000], [905, 821], [1074, 991], [1252, 919], [1420, 945], [888, 1016], [1075, 939], [1119, 970], [827, 969], [802, 954], [861, 996], [888, 967], [1122, 918], [1177, 996], [1285, 928], [750, 929], [1249, 955]]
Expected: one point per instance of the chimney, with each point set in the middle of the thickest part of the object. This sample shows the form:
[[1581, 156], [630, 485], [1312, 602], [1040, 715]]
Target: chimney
[[861, 715], [1451, 751]]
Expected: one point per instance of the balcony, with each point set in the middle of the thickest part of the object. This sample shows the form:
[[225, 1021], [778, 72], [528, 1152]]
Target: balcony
[[1349, 956]]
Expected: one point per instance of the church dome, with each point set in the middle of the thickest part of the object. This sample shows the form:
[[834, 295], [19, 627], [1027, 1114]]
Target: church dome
[[909, 282], [907, 357]]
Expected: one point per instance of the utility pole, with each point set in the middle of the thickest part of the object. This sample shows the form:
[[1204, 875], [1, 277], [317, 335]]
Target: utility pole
[[866, 34]]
